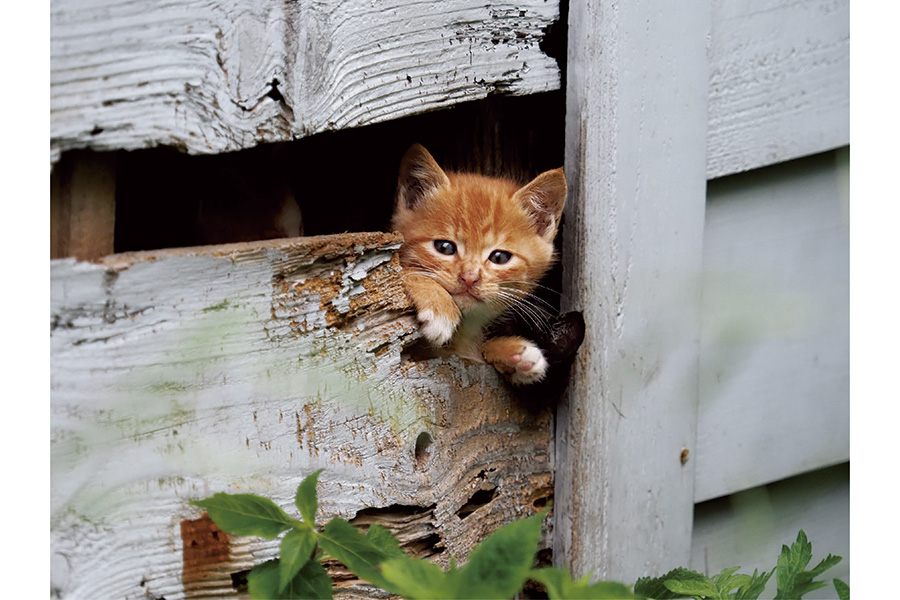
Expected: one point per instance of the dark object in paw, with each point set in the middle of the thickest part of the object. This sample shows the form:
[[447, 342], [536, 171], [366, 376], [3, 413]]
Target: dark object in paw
[[559, 337]]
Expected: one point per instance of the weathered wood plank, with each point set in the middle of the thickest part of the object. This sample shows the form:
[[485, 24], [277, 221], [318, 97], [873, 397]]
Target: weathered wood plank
[[775, 352], [242, 368], [211, 77], [779, 84], [635, 159], [748, 528], [83, 206]]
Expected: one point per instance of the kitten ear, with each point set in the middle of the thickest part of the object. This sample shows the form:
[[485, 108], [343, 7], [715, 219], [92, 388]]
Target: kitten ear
[[544, 199], [419, 176]]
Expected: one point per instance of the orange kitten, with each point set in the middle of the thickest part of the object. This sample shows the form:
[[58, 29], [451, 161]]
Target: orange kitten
[[474, 247]]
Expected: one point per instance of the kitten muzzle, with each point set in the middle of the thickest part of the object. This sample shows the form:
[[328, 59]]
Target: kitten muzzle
[[466, 298]]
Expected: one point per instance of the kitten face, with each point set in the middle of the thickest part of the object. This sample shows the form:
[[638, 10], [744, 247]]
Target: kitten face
[[486, 241]]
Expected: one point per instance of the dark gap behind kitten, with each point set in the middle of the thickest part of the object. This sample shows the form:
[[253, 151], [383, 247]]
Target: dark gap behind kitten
[[342, 181]]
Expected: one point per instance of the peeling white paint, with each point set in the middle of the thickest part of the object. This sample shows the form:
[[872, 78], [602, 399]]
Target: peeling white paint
[[213, 77], [184, 373]]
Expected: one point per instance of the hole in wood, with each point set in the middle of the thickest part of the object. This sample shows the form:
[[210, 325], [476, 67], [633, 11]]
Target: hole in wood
[[426, 547], [477, 500], [395, 513], [412, 525], [423, 442], [419, 350], [239, 580]]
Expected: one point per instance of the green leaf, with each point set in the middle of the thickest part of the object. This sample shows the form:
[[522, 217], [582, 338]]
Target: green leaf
[[825, 564], [842, 589], [307, 499], [358, 553], [655, 587], [704, 588], [791, 562], [311, 582], [296, 550], [416, 579], [557, 582], [790, 574], [727, 581], [753, 588], [384, 540], [246, 514], [499, 566], [560, 586], [263, 581]]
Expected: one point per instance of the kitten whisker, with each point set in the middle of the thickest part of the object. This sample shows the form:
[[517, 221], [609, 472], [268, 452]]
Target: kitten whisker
[[533, 298], [524, 307], [539, 285]]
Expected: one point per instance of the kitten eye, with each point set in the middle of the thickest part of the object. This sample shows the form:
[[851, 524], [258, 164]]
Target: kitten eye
[[445, 247], [500, 257]]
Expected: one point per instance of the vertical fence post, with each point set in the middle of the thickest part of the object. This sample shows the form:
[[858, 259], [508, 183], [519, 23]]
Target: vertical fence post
[[637, 89]]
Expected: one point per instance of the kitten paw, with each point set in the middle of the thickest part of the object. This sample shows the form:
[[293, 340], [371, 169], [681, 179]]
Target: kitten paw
[[531, 366], [522, 362], [437, 329]]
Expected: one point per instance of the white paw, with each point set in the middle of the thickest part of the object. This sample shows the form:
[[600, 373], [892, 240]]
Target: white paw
[[531, 366], [437, 330]]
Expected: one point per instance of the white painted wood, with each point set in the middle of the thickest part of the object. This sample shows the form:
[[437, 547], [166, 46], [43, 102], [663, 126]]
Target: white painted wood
[[201, 75], [636, 163], [775, 353], [779, 85], [243, 368], [747, 529]]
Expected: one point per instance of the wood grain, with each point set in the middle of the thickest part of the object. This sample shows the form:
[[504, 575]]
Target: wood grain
[[635, 161], [779, 82], [83, 206], [210, 77], [243, 368]]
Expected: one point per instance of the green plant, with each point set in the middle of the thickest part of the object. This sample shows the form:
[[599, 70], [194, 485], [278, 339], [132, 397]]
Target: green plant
[[497, 568], [790, 574]]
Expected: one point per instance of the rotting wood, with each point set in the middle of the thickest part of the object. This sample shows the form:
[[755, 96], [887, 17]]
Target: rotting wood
[[211, 77], [83, 206], [242, 368]]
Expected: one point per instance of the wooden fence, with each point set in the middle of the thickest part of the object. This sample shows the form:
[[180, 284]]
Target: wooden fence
[[705, 240]]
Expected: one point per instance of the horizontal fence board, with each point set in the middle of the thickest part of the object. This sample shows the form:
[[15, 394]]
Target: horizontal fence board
[[774, 359], [779, 82], [211, 77], [243, 368], [748, 528]]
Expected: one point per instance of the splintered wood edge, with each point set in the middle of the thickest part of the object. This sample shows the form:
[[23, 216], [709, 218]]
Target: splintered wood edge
[[313, 246]]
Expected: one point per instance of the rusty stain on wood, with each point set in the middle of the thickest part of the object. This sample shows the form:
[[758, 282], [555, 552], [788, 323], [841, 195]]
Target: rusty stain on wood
[[204, 547]]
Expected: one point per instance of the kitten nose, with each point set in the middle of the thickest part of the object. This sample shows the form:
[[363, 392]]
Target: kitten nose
[[470, 278]]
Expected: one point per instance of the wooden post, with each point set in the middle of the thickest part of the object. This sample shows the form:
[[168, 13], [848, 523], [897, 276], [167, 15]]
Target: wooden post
[[83, 205], [636, 162]]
